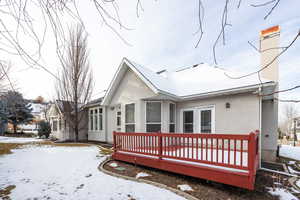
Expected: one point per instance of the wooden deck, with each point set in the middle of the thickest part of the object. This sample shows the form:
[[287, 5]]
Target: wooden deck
[[226, 158]]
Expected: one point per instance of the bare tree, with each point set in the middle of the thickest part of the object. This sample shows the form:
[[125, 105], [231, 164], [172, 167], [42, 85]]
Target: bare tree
[[4, 77], [17, 20], [290, 111], [75, 82]]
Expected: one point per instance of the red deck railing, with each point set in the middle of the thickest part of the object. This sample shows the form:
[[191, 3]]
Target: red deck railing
[[200, 154]]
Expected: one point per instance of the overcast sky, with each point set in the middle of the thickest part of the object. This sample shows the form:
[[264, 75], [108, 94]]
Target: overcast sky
[[162, 38]]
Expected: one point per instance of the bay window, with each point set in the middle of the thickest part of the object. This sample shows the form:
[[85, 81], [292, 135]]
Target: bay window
[[172, 118], [96, 119], [153, 116], [129, 117]]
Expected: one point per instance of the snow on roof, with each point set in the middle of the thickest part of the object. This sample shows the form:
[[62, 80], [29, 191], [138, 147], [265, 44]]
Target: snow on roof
[[199, 79]]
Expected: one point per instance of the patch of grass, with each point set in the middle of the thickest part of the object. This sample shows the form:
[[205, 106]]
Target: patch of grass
[[4, 193], [5, 148]]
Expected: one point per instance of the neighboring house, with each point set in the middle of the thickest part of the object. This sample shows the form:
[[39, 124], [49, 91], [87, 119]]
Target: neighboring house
[[196, 99], [3, 123], [295, 125], [39, 113], [60, 114]]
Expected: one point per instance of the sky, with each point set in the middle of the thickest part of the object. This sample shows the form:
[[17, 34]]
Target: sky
[[162, 37]]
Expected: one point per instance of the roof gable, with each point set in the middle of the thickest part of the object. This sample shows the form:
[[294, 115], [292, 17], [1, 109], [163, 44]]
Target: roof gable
[[123, 67], [198, 80]]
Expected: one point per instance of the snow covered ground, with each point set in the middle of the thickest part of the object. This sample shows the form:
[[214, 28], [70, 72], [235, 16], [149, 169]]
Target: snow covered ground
[[283, 194], [18, 140], [290, 152], [52, 172]]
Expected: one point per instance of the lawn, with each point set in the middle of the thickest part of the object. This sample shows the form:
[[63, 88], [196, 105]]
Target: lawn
[[42, 170], [289, 151], [38, 169]]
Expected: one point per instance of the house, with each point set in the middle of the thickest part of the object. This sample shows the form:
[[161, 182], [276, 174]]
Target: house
[[195, 99], [59, 115], [3, 123], [39, 113], [295, 126]]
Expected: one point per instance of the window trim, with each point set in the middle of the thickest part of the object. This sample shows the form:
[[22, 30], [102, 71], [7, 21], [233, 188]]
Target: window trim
[[213, 118], [197, 124], [182, 118], [93, 120], [161, 115], [174, 117], [125, 123]]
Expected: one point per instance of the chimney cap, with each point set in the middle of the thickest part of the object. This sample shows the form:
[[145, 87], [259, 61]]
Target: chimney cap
[[269, 31]]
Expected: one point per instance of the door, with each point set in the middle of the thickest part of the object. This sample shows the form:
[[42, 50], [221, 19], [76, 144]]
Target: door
[[207, 120]]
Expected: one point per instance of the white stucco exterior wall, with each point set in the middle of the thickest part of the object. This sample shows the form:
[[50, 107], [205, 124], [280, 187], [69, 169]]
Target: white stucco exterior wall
[[130, 90], [243, 116]]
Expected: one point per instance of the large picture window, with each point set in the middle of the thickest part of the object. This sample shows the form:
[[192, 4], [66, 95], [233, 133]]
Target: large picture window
[[188, 121], [129, 117], [172, 111], [96, 119], [153, 116]]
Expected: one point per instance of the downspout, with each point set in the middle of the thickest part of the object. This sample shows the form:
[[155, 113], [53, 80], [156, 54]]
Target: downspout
[[260, 123]]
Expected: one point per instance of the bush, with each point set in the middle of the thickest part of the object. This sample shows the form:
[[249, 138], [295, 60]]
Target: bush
[[44, 129]]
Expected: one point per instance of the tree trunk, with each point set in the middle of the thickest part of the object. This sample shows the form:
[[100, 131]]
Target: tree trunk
[[15, 128]]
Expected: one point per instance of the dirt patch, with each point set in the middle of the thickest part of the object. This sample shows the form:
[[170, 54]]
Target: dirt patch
[[4, 193], [204, 189], [5, 148]]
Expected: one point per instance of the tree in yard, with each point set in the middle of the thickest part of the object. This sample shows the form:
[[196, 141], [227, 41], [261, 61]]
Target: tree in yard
[[75, 82], [44, 129], [17, 110], [290, 111]]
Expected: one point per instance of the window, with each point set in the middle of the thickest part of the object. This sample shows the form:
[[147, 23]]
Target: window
[[54, 125], [96, 119], [100, 119], [153, 116], [91, 120], [205, 121], [118, 118], [188, 121], [172, 118], [129, 117], [60, 125]]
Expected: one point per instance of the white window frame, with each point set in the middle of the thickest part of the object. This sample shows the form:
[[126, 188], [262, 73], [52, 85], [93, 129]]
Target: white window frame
[[181, 114], [213, 118], [94, 116], [174, 117], [134, 123], [197, 112], [100, 128], [297, 123], [91, 116], [161, 115]]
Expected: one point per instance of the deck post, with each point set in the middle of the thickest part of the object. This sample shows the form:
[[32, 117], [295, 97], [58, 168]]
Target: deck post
[[159, 145], [114, 140], [251, 157]]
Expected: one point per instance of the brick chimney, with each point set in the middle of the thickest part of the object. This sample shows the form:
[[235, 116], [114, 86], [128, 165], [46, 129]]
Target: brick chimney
[[269, 43]]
